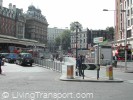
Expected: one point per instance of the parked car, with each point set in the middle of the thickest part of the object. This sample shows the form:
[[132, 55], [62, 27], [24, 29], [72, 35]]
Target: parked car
[[25, 59], [11, 57]]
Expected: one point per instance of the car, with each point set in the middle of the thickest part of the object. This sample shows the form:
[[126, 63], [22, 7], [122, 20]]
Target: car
[[11, 57], [25, 59]]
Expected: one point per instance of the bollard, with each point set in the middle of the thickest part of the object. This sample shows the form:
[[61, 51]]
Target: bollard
[[109, 72], [70, 71]]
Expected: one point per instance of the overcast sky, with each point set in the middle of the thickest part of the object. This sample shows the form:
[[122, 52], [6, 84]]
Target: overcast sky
[[60, 13]]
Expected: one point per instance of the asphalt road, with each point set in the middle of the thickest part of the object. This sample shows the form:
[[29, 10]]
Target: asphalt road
[[37, 83]]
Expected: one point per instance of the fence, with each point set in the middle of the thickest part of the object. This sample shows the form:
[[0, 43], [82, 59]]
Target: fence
[[49, 64], [57, 65]]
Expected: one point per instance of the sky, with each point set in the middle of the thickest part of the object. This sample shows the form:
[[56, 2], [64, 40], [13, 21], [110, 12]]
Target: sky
[[60, 13]]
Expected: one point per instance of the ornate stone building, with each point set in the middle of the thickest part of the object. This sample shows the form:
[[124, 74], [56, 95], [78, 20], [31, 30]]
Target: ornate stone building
[[36, 25], [12, 21]]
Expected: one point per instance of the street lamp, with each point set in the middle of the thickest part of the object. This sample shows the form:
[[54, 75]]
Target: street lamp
[[125, 34], [78, 27]]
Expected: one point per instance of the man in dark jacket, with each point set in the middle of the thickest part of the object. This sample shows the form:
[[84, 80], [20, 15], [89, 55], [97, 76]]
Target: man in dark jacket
[[79, 65], [0, 65]]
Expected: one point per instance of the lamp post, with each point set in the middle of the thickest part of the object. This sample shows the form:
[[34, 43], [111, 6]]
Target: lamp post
[[125, 42], [76, 41], [77, 27]]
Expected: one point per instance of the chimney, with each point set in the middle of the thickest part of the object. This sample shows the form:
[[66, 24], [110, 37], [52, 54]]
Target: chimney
[[14, 7], [21, 10], [10, 5]]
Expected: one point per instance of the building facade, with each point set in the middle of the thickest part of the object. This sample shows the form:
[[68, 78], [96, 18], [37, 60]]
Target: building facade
[[20, 27], [36, 25], [7, 20], [124, 23], [53, 33], [85, 39]]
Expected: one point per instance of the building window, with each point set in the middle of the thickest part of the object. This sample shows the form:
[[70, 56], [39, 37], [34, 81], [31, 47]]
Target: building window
[[121, 17], [121, 35], [128, 33], [127, 2], [128, 22], [128, 13], [132, 21], [131, 11], [121, 26], [84, 40]]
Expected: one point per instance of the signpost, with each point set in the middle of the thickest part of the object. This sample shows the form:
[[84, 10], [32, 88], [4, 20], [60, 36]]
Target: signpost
[[97, 41]]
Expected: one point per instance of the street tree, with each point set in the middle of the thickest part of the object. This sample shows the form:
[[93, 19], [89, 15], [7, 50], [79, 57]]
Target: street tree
[[57, 41], [111, 31], [66, 39], [75, 25]]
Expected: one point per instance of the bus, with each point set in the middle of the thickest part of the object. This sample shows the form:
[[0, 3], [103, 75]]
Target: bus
[[120, 53]]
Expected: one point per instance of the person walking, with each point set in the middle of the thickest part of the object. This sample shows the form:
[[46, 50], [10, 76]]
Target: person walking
[[79, 65], [0, 65]]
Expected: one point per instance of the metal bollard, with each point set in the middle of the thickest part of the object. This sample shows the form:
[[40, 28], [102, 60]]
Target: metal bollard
[[109, 72]]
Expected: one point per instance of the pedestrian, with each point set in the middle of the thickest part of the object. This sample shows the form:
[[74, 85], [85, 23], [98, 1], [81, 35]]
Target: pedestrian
[[115, 61], [0, 65], [79, 65]]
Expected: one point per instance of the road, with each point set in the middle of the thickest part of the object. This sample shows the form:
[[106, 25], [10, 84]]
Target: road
[[38, 83]]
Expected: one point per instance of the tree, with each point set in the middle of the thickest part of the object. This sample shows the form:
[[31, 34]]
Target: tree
[[64, 40], [75, 25], [111, 31], [57, 41]]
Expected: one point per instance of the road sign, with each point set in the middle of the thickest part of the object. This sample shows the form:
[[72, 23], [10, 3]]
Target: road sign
[[88, 66], [98, 40]]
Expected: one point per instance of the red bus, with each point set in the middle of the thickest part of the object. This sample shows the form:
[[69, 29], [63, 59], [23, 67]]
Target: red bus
[[120, 53]]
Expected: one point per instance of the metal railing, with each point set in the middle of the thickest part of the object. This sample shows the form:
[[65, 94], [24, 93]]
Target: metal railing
[[49, 64]]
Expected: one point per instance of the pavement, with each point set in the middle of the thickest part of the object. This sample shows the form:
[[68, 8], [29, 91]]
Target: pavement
[[91, 75]]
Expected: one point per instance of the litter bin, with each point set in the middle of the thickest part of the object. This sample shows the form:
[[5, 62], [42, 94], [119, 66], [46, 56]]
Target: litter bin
[[109, 71], [70, 71]]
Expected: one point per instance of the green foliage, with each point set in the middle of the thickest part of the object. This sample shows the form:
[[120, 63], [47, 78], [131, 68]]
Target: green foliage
[[57, 41], [110, 29], [75, 25], [64, 39]]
